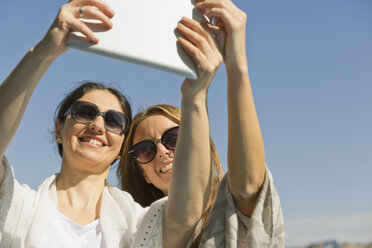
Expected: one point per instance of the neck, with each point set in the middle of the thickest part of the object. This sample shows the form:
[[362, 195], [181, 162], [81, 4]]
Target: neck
[[79, 193]]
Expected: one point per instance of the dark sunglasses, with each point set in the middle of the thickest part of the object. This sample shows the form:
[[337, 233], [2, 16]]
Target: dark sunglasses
[[86, 112], [144, 151]]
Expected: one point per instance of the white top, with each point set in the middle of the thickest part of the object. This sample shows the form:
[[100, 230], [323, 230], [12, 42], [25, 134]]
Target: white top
[[27, 215], [66, 233]]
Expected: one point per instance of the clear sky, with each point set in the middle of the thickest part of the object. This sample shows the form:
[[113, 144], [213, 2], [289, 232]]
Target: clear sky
[[310, 67]]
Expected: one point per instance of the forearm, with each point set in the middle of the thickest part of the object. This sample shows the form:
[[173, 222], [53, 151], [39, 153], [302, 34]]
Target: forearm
[[191, 173], [16, 91], [246, 157]]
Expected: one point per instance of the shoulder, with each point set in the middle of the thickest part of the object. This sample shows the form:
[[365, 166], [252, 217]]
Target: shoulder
[[118, 194], [123, 200]]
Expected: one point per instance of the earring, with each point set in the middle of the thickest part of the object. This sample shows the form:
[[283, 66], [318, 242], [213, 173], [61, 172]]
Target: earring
[[59, 140]]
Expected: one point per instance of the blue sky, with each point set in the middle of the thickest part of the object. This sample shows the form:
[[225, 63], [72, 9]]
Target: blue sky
[[310, 66]]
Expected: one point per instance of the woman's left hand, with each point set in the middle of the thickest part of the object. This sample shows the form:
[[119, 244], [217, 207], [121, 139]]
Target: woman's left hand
[[229, 28], [198, 42]]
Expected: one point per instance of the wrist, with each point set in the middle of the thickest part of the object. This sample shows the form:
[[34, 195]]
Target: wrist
[[47, 51], [238, 68], [194, 101], [193, 92]]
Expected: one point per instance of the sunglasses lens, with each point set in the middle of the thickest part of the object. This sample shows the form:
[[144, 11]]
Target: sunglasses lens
[[144, 151], [169, 139], [115, 122], [84, 112]]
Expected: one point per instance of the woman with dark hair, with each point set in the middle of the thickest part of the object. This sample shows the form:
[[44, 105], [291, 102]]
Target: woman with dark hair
[[76, 207], [246, 210]]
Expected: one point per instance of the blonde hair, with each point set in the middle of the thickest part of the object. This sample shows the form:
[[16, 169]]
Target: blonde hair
[[131, 177]]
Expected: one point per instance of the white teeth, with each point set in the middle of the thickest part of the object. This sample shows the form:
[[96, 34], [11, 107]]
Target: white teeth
[[166, 168], [93, 141]]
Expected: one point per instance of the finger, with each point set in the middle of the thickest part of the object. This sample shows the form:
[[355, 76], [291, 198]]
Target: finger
[[101, 5], [198, 28], [78, 37], [216, 30], [195, 54], [80, 26], [195, 38], [226, 10], [93, 13], [96, 27], [229, 19], [212, 32], [205, 7]]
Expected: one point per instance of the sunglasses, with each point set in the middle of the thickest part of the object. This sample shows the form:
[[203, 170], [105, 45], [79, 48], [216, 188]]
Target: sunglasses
[[144, 151], [86, 112]]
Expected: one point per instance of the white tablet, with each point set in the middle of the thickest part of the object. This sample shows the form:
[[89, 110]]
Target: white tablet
[[144, 32]]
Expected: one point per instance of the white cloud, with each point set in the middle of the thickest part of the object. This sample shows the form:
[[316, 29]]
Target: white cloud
[[350, 227]]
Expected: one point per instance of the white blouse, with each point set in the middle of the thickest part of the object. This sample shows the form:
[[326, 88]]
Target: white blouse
[[64, 232], [26, 215]]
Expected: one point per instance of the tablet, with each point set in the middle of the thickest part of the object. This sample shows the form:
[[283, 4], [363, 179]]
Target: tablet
[[144, 33]]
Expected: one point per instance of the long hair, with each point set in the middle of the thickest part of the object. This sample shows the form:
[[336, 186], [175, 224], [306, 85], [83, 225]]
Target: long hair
[[131, 177]]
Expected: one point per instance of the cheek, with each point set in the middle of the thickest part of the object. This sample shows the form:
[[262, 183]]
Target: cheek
[[148, 171], [71, 128], [117, 143]]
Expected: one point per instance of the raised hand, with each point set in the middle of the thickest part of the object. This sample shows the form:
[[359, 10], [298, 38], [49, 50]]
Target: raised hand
[[230, 20], [16, 90], [69, 20], [190, 181], [198, 42]]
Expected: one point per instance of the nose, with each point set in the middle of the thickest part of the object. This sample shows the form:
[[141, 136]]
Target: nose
[[98, 125], [162, 150]]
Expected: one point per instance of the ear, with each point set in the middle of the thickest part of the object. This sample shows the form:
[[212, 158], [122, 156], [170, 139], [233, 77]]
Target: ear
[[58, 128]]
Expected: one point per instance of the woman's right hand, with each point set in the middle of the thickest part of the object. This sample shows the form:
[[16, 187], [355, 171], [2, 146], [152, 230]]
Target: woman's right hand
[[69, 20], [192, 171], [198, 42]]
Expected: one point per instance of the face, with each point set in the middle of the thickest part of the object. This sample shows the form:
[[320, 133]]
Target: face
[[158, 171], [90, 147]]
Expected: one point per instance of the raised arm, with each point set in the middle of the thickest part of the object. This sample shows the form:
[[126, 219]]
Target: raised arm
[[192, 170], [246, 157], [16, 90]]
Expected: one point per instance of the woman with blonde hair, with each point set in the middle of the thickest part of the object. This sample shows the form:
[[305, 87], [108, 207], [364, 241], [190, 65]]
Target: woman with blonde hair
[[132, 177], [246, 210]]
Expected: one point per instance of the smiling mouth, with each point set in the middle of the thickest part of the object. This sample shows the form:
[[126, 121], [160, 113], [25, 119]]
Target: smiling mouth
[[166, 168], [91, 141]]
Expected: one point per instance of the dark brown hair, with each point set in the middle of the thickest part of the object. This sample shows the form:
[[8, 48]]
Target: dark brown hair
[[131, 177]]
